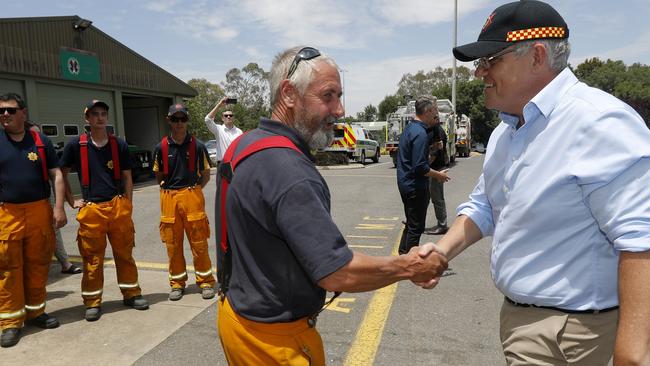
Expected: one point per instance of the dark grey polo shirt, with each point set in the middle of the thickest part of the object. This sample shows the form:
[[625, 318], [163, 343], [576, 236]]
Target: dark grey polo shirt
[[281, 232]]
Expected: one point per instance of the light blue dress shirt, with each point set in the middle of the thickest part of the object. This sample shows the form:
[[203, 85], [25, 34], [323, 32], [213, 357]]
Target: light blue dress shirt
[[563, 194]]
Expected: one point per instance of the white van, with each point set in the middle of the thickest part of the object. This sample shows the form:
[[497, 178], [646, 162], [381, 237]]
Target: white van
[[366, 145]]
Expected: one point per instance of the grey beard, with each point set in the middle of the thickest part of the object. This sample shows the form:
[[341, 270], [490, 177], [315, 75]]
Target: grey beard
[[320, 139]]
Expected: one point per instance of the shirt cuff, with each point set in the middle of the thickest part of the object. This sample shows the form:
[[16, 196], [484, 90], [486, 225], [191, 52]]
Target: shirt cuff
[[483, 222]]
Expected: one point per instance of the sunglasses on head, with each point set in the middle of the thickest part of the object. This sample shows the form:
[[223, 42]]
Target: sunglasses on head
[[305, 54], [178, 119], [11, 110]]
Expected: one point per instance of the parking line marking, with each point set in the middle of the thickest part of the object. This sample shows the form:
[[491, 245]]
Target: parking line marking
[[365, 246], [375, 227], [366, 342], [381, 218]]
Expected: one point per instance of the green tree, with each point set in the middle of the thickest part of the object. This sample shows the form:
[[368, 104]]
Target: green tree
[[208, 95], [635, 90], [250, 86], [424, 83], [369, 113], [388, 105]]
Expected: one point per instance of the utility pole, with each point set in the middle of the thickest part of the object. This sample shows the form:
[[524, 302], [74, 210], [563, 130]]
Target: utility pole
[[453, 69], [343, 71]]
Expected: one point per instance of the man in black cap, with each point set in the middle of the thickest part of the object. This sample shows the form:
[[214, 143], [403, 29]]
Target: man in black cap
[[182, 169], [568, 217], [104, 169]]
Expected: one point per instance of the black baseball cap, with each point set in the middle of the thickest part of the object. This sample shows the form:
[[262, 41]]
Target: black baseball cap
[[517, 21], [93, 103], [176, 108]]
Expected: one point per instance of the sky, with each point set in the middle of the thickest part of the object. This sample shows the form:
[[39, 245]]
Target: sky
[[374, 42]]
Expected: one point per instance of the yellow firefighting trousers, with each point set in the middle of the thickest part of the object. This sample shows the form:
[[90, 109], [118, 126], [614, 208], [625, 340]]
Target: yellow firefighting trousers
[[96, 221], [26, 248], [183, 211], [246, 342]]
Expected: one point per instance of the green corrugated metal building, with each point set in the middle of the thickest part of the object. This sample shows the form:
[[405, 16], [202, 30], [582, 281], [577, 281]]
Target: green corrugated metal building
[[58, 64]]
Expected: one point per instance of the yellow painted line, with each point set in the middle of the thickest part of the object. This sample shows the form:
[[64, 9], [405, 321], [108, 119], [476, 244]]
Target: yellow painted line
[[140, 265], [368, 218], [375, 227], [366, 342], [367, 237], [365, 246]]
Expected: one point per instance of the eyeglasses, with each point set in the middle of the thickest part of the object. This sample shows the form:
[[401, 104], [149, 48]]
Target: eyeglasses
[[227, 116], [305, 54], [10, 110], [486, 62], [175, 119]]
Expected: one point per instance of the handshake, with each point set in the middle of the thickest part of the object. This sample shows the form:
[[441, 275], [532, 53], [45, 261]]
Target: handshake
[[426, 263]]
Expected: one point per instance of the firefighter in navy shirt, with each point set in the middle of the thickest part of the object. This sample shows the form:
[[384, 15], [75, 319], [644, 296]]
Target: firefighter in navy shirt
[[104, 169], [182, 169], [27, 163]]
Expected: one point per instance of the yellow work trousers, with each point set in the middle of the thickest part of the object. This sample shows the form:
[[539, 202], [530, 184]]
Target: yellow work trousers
[[246, 342], [96, 222], [26, 248], [182, 212]]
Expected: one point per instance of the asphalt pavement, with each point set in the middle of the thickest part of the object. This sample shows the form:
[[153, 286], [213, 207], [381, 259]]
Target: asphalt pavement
[[454, 324]]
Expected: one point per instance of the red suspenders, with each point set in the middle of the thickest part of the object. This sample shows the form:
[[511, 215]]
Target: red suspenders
[[164, 147], [41, 154], [226, 171], [85, 173], [229, 158]]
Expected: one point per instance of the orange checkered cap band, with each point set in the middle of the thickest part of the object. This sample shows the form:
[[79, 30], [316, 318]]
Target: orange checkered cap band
[[532, 33]]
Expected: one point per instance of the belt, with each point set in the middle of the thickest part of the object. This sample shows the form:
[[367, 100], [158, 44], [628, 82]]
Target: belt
[[568, 311]]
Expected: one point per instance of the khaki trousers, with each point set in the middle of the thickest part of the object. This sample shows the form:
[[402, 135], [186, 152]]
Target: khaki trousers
[[246, 342], [534, 336]]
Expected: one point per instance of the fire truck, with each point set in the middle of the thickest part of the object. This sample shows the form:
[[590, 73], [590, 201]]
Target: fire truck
[[464, 136], [404, 114]]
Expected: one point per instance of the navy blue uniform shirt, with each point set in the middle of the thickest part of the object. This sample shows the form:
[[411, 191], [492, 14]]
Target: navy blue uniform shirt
[[100, 165], [21, 172], [179, 171], [281, 232], [413, 158]]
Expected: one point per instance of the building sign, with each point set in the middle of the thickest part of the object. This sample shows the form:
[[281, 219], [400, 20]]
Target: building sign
[[78, 65]]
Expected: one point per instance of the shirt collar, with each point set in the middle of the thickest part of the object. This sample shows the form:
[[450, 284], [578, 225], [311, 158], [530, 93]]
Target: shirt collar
[[548, 98], [282, 129], [421, 123], [186, 141], [545, 101]]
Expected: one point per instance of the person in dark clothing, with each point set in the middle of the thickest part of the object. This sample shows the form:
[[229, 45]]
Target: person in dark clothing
[[285, 248], [438, 141], [413, 171]]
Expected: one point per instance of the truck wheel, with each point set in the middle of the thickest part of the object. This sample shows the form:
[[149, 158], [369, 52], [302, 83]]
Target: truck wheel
[[362, 158], [375, 159]]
